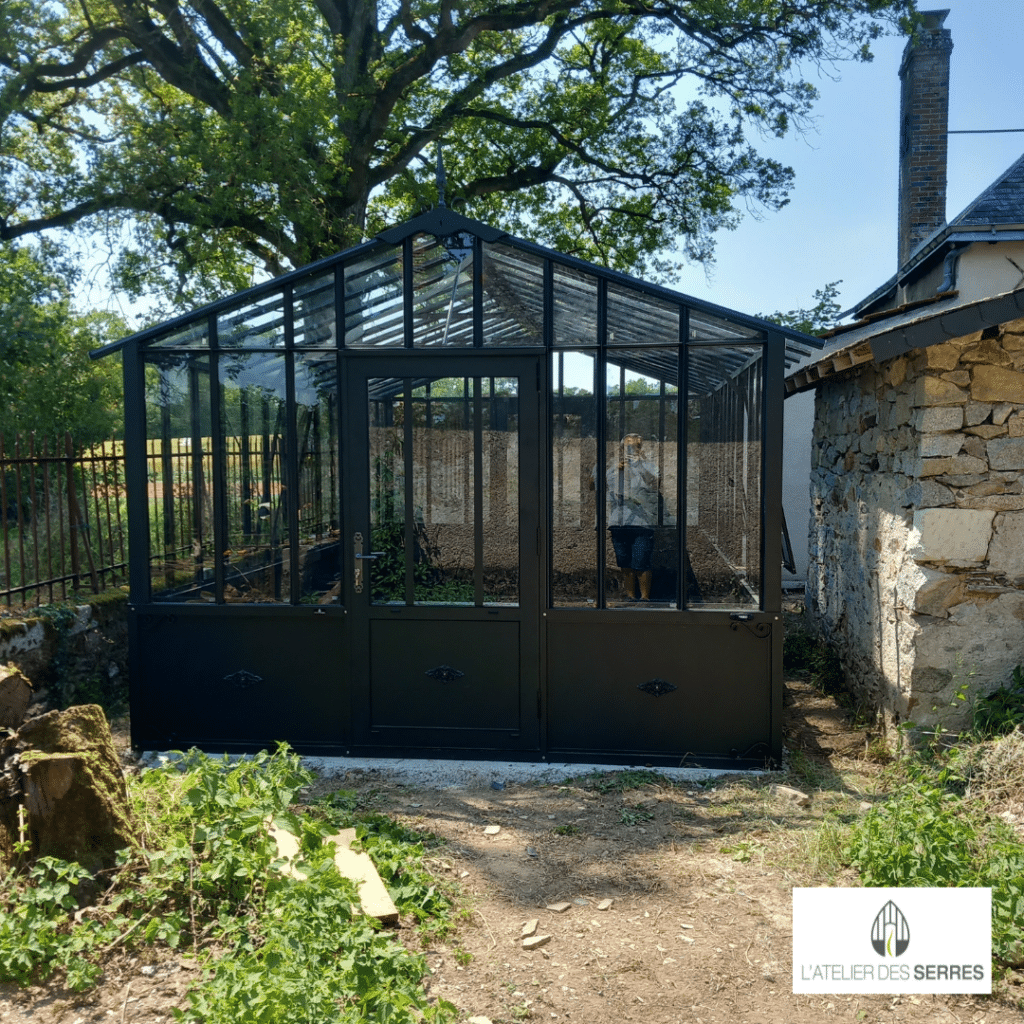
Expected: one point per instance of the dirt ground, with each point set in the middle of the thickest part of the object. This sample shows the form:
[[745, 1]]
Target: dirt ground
[[699, 879]]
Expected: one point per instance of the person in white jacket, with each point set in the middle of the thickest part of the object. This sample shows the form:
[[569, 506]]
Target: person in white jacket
[[633, 496]]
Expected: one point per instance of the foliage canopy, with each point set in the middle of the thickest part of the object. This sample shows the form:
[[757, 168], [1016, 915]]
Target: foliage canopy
[[47, 383], [209, 137]]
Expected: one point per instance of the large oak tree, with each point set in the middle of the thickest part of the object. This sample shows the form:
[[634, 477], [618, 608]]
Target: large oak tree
[[203, 138]]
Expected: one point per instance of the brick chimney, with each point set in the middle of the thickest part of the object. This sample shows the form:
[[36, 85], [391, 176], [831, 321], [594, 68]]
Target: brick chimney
[[924, 119]]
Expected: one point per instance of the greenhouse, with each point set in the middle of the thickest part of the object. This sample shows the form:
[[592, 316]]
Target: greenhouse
[[453, 494]]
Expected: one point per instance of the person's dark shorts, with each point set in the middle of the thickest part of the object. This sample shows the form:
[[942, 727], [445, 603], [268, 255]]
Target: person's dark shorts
[[634, 546]]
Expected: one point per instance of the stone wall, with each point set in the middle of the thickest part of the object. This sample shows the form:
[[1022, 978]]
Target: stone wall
[[72, 654], [916, 539]]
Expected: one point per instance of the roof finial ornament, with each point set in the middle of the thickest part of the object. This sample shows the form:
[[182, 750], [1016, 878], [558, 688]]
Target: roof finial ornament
[[441, 178]]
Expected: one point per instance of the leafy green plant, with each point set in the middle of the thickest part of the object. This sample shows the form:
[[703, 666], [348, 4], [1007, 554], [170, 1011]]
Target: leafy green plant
[[203, 874], [925, 836], [1001, 711], [636, 815], [567, 830]]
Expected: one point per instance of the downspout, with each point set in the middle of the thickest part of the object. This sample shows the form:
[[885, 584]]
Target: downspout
[[949, 267]]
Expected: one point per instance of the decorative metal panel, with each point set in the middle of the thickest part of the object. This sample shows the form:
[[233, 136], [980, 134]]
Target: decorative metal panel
[[657, 687], [444, 673], [243, 679]]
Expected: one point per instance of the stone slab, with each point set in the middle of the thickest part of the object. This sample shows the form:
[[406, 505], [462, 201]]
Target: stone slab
[[940, 418], [950, 535], [997, 384], [351, 864], [1006, 453], [1006, 552]]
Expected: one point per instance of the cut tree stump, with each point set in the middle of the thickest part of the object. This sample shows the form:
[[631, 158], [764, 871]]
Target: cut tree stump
[[63, 769]]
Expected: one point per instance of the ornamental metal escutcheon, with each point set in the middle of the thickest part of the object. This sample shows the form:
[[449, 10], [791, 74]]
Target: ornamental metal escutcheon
[[444, 673], [243, 679], [657, 687]]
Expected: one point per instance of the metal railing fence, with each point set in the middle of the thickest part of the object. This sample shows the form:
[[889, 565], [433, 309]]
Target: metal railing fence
[[64, 520]]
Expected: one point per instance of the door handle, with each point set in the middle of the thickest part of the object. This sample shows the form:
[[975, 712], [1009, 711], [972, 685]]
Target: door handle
[[357, 562]]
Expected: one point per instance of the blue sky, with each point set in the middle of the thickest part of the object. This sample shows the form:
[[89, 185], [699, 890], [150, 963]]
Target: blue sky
[[841, 219]]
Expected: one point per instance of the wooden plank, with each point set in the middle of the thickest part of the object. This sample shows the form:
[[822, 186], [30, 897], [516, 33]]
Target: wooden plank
[[353, 865]]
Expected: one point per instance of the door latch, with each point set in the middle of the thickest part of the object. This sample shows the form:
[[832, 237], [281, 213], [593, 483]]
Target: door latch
[[358, 559]]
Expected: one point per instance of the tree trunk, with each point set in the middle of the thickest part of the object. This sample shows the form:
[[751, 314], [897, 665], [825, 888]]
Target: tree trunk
[[63, 769]]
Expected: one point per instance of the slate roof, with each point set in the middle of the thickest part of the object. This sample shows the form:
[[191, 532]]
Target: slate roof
[[1001, 203]]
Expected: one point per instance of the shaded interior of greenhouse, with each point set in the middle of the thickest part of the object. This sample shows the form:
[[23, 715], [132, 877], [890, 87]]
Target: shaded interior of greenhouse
[[453, 494]]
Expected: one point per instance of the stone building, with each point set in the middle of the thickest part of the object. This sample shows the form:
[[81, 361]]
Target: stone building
[[916, 532]]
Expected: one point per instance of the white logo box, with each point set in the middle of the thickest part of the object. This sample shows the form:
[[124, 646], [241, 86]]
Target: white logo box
[[892, 940]]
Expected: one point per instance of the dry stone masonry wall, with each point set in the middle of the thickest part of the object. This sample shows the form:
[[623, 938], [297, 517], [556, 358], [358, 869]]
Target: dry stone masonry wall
[[917, 523]]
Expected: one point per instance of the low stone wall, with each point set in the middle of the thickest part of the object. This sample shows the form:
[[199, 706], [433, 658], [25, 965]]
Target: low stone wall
[[917, 523], [72, 654]]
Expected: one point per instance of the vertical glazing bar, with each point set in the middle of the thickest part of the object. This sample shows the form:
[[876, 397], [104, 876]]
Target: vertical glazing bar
[[245, 456], [478, 292], [291, 468], [135, 474], [478, 494], [772, 386], [600, 473], [408, 469], [407, 286], [198, 486], [682, 460], [219, 470]]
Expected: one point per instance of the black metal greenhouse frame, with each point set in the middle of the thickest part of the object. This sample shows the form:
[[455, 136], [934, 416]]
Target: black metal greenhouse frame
[[453, 494]]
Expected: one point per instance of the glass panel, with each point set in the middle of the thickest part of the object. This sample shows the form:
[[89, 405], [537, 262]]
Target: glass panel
[[194, 335], [316, 411], [442, 293], [374, 308], [575, 307], [573, 462], [386, 570], [705, 327], [254, 325], [180, 473], [723, 466], [500, 473], [257, 557], [465, 490], [313, 300], [638, 319], [443, 491], [513, 296], [641, 481]]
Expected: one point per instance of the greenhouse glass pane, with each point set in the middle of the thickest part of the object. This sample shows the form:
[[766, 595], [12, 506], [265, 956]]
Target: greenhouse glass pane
[[575, 307], [638, 319], [313, 305], [374, 305], [254, 325], [513, 286], [442, 305], [724, 452]]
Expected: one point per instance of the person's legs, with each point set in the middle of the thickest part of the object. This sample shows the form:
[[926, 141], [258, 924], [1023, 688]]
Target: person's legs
[[643, 551], [622, 542]]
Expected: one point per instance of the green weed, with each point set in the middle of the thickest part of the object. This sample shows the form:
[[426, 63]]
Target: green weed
[[203, 876], [926, 836], [633, 816]]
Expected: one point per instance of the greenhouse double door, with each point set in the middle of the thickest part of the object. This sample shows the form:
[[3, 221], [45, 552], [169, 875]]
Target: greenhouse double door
[[442, 484]]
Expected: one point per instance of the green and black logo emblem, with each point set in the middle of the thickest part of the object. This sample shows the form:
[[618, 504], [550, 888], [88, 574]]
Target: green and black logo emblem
[[890, 933]]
